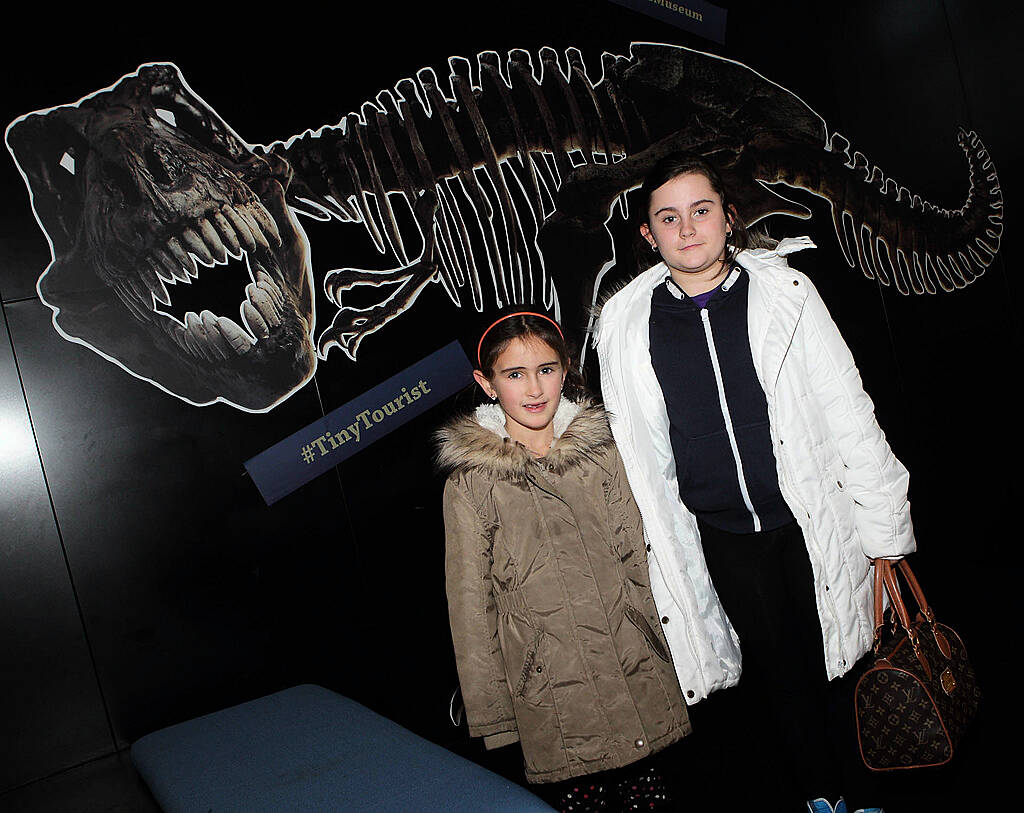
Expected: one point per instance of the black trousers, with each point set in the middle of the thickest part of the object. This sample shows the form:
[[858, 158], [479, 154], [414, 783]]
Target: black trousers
[[785, 732]]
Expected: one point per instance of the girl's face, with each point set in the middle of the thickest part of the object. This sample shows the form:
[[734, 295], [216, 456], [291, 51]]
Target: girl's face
[[688, 225], [527, 381]]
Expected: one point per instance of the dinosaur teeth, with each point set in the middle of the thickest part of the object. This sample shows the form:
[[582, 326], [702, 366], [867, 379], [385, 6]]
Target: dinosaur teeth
[[252, 319], [259, 213], [254, 229], [183, 264], [212, 241], [264, 304], [164, 265], [149, 273], [209, 337], [238, 232], [240, 341], [194, 244], [214, 336], [205, 335], [264, 282], [196, 340], [174, 329], [226, 232], [240, 227], [188, 342], [199, 340], [131, 299]]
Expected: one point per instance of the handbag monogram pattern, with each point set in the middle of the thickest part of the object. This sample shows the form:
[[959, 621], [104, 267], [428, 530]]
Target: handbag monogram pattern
[[917, 699]]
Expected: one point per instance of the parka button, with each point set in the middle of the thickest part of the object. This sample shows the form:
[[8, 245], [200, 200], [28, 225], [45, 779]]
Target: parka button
[[689, 693], [664, 619], [648, 547], [639, 743], [540, 669]]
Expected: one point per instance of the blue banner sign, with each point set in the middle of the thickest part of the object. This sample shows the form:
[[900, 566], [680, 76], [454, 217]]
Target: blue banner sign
[[695, 16], [323, 444]]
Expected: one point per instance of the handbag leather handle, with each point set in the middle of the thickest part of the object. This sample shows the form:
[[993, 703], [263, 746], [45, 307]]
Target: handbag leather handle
[[885, 579], [881, 566], [886, 582], [915, 588], [892, 586], [925, 610]]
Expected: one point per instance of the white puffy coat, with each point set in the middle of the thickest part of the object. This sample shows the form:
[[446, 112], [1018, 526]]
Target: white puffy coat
[[838, 475]]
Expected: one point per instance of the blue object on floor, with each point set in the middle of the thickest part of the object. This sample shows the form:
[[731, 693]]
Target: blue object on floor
[[308, 748]]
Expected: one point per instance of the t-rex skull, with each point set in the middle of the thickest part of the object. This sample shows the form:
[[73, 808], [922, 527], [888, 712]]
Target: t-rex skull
[[154, 209]]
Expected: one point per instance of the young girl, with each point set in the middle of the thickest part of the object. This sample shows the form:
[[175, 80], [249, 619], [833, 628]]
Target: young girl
[[557, 639], [765, 483]]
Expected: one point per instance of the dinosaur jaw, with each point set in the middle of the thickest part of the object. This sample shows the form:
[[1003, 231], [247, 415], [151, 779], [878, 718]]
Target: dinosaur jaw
[[226, 319]]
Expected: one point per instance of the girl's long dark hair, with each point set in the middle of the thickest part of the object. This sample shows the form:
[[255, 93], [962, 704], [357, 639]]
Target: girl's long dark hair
[[685, 163]]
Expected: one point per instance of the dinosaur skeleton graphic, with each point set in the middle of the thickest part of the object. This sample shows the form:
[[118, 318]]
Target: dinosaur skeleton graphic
[[498, 183]]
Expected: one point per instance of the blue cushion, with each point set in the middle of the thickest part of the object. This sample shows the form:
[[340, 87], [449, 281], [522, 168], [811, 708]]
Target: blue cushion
[[308, 748]]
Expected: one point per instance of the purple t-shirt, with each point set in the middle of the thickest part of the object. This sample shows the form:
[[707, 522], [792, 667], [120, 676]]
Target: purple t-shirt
[[701, 300]]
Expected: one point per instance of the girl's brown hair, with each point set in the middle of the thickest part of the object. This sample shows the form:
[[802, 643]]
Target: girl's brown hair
[[685, 163], [529, 326]]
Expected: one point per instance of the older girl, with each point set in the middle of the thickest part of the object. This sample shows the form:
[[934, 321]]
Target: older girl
[[557, 639], [765, 484]]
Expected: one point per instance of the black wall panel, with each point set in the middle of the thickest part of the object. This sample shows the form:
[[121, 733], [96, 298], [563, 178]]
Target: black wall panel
[[190, 587], [50, 704], [194, 595], [927, 68]]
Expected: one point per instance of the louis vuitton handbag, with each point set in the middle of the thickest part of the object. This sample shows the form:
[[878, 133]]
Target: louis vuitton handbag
[[915, 701]]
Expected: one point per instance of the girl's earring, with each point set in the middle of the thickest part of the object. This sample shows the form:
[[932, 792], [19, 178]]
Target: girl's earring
[[654, 247], [494, 396]]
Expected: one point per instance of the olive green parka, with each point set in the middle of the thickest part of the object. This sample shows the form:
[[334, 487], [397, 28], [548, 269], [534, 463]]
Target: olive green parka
[[557, 639]]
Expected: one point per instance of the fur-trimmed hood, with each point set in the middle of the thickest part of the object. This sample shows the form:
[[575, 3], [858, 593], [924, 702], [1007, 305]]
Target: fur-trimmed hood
[[479, 441]]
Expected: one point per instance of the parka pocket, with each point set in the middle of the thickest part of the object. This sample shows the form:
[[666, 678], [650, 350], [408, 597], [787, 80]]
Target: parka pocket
[[521, 640], [639, 620], [841, 501], [533, 667]]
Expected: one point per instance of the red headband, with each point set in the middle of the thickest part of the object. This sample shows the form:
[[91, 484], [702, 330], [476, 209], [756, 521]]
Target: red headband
[[480, 344]]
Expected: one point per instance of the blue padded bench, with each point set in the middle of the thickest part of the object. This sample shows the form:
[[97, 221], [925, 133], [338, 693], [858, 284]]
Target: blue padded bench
[[308, 748]]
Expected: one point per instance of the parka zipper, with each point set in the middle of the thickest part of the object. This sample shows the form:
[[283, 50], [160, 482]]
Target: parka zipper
[[548, 491], [705, 318]]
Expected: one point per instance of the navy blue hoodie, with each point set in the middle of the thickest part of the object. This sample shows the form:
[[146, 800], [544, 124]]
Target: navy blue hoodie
[[717, 410]]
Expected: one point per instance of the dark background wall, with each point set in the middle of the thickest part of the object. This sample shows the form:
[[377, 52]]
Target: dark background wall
[[142, 579]]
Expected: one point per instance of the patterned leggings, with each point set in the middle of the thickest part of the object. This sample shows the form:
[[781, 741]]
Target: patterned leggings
[[637, 787]]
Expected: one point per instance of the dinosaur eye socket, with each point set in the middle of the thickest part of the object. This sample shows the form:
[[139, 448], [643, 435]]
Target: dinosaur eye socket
[[176, 111], [119, 178], [156, 167], [167, 116], [193, 125], [183, 117]]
